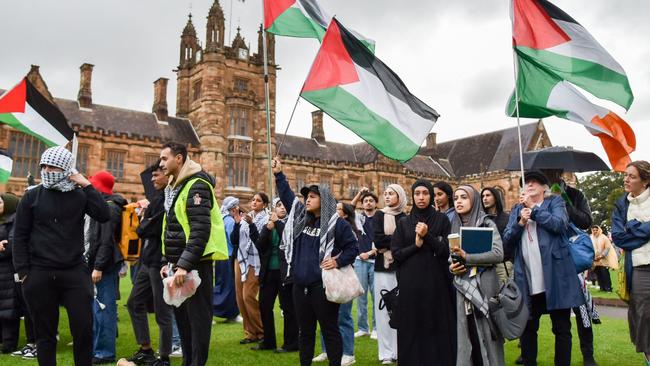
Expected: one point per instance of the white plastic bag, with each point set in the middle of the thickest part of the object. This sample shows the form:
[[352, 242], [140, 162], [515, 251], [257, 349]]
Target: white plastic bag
[[341, 284], [176, 295]]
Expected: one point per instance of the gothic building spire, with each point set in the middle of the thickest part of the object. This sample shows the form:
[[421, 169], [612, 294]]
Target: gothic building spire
[[189, 45], [215, 28]]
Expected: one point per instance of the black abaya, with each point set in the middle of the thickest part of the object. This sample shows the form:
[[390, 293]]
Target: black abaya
[[427, 325]]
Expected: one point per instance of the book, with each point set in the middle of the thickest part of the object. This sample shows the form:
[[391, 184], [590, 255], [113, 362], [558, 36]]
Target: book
[[475, 240]]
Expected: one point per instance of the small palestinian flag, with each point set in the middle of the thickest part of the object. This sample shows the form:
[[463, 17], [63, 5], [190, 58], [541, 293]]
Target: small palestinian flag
[[355, 88], [300, 18], [5, 166], [27, 110], [554, 51]]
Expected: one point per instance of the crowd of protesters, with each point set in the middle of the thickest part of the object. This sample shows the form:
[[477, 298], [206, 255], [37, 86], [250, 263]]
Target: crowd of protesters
[[432, 301]]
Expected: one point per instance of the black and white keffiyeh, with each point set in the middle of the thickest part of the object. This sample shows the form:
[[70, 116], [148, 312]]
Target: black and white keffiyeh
[[59, 157], [247, 254], [296, 224]]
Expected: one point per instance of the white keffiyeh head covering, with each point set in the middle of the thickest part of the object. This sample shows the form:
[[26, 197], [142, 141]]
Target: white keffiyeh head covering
[[59, 157]]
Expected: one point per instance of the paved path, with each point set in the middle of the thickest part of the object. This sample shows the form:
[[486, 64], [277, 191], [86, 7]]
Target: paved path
[[612, 311]]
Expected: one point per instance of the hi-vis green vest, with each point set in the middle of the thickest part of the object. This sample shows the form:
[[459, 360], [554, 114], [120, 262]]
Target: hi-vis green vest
[[217, 244]]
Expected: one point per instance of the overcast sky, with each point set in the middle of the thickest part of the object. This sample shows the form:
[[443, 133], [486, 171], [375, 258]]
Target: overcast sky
[[454, 55]]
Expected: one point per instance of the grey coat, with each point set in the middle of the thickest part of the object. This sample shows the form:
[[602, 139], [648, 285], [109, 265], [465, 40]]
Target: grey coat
[[491, 346]]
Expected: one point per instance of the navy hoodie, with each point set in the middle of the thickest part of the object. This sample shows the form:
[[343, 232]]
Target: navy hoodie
[[305, 263]]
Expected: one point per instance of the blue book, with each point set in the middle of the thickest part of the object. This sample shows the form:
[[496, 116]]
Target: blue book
[[475, 240]]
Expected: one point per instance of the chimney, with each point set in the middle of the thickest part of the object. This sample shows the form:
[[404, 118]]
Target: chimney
[[85, 96], [317, 132], [431, 142], [160, 99]]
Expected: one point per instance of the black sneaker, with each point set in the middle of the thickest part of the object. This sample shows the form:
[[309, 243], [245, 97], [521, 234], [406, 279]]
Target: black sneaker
[[103, 361], [161, 362], [142, 357]]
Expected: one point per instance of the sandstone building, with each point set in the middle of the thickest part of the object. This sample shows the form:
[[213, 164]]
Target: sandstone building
[[220, 115]]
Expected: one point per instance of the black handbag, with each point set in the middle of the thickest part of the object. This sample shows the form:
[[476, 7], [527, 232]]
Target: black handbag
[[388, 301]]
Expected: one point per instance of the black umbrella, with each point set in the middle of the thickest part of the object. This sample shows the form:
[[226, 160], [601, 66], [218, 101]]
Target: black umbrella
[[558, 157], [149, 189]]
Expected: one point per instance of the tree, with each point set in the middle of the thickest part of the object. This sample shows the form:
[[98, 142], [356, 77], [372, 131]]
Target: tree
[[602, 189]]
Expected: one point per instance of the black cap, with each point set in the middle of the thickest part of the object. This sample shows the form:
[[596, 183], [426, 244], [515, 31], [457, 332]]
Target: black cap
[[304, 191], [536, 176]]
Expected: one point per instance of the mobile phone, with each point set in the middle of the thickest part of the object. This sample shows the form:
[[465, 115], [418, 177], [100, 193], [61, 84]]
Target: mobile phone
[[455, 258]]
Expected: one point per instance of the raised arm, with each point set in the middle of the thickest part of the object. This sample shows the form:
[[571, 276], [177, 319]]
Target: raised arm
[[556, 220]]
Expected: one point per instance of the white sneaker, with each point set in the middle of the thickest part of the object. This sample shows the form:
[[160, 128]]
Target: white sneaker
[[320, 358], [387, 361], [177, 351], [373, 334], [361, 333], [347, 360], [239, 319]]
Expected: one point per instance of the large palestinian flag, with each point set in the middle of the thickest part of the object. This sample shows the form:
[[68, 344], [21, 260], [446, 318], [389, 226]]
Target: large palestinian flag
[[554, 51], [355, 88], [27, 110], [300, 18], [6, 163]]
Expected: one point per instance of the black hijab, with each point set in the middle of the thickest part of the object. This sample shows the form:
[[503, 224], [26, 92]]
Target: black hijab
[[422, 214]]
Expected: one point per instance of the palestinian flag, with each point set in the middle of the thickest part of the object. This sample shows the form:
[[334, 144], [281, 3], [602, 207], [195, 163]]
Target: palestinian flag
[[300, 18], [355, 88], [554, 51], [5, 166], [27, 110]]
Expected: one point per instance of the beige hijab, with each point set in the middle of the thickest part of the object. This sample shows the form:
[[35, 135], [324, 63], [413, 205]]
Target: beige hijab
[[391, 212]]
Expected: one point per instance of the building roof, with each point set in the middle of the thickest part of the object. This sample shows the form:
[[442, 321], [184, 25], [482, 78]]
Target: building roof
[[487, 152], [476, 154]]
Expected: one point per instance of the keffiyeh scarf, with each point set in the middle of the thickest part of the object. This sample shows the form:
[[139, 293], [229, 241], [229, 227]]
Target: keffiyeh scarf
[[59, 157], [296, 223], [247, 254]]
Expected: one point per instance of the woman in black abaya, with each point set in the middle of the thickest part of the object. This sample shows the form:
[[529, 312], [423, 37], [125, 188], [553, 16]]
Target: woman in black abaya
[[426, 330]]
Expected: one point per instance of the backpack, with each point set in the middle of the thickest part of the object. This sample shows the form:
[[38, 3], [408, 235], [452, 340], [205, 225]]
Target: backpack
[[581, 249], [130, 242]]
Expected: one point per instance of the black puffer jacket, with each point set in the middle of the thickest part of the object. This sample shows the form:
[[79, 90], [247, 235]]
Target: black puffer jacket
[[186, 253], [8, 297], [104, 253]]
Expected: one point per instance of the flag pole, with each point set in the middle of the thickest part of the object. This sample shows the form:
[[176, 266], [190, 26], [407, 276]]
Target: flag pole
[[277, 151], [267, 102], [75, 148], [521, 150]]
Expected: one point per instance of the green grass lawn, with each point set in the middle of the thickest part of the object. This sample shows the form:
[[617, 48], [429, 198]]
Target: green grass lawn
[[612, 344], [595, 292]]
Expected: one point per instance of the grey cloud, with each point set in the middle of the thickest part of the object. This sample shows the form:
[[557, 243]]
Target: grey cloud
[[487, 89]]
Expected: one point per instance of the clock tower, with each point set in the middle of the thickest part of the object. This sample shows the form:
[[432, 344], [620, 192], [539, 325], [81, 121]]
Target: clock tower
[[221, 90]]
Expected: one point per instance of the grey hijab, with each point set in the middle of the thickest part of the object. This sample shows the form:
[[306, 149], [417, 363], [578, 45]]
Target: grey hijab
[[476, 215]]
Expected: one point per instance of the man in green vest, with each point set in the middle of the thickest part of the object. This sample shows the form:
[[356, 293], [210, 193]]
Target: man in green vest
[[193, 236]]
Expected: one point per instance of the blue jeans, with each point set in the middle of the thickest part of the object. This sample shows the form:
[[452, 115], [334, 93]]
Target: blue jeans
[[176, 338], [346, 327], [366, 274], [105, 320]]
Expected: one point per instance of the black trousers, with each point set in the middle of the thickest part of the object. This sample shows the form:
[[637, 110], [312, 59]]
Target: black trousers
[[9, 329], [604, 279], [147, 287], [290, 320], [268, 293], [312, 306], [269, 290], [194, 319], [561, 327], [586, 336], [44, 291]]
